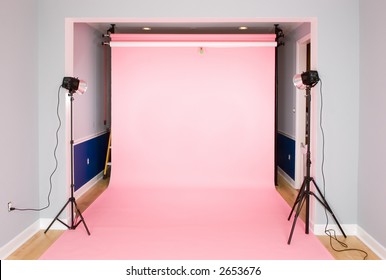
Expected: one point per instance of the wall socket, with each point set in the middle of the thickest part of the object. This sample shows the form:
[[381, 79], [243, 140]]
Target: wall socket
[[9, 206]]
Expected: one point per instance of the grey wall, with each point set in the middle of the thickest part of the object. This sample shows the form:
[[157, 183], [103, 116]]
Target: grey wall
[[89, 66], [372, 133], [19, 116], [287, 69], [336, 38]]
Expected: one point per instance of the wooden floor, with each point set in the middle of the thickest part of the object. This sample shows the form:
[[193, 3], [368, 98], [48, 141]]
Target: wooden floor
[[351, 249], [39, 243]]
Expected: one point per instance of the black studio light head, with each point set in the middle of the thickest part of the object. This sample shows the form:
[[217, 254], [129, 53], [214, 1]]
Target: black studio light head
[[307, 79], [74, 85]]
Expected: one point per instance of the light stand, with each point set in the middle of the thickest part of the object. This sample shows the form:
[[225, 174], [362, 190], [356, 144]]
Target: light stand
[[310, 79], [72, 85]]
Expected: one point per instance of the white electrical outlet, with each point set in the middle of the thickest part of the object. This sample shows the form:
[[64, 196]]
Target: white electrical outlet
[[88, 161], [9, 206]]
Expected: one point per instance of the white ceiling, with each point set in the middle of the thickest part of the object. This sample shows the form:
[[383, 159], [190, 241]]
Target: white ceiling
[[196, 27]]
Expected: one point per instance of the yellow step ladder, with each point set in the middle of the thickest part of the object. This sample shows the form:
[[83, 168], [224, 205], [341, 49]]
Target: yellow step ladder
[[108, 158]]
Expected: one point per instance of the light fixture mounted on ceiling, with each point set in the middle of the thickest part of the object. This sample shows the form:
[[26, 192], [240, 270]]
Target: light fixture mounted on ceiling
[[146, 28], [243, 27]]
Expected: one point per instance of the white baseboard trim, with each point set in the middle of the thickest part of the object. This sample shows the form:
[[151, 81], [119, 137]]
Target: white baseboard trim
[[19, 240], [26, 234], [374, 245], [45, 222], [82, 190], [349, 229], [286, 177], [355, 230]]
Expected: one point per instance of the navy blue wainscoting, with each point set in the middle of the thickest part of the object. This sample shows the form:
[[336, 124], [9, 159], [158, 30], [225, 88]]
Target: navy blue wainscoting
[[286, 154], [89, 159]]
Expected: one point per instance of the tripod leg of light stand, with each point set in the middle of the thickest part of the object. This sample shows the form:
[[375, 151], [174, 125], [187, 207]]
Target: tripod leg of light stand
[[73, 226], [299, 197], [57, 217], [303, 199], [81, 218], [328, 208]]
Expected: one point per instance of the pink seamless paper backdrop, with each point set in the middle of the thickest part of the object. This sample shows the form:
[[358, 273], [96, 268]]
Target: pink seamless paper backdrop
[[182, 118], [192, 162], [187, 224]]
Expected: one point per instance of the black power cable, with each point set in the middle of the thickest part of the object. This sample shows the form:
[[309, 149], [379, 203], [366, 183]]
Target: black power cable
[[331, 232], [56, 163]]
